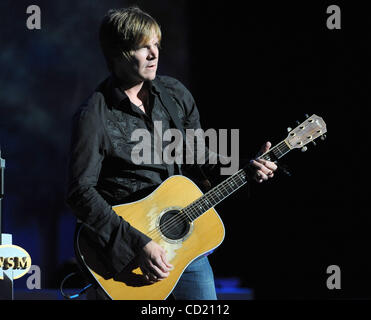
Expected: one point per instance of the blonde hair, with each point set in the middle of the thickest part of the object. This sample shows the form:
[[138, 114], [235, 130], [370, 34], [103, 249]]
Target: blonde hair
[[123, 31]]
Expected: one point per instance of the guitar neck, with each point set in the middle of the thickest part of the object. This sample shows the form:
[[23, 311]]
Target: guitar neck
[[312, 128], [277, 152], [230, 185]]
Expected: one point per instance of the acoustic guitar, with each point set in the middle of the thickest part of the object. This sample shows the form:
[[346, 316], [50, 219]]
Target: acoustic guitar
[[181, 219]]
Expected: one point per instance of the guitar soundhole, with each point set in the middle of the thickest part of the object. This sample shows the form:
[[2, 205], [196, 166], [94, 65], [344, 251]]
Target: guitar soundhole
[[174, 225]]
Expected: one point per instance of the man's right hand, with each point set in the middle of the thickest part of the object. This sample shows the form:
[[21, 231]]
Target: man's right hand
[[153, 262]]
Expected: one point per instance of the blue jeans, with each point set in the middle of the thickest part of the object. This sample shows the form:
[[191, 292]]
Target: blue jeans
[[196, 282]]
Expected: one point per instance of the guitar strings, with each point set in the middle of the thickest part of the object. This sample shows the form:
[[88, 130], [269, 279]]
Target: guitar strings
[[192, 209], [192, 212]]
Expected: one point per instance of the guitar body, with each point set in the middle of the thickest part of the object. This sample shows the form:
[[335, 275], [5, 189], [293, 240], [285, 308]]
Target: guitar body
[[153, 216]]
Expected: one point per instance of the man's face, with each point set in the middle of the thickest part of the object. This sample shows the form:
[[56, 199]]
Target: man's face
[[142, 66]]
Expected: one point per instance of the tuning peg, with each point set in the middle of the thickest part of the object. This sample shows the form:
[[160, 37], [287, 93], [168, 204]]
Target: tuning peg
[[323, 137], [289, 129], [304, 149], [297, 122], [306, 115], [314, 143]]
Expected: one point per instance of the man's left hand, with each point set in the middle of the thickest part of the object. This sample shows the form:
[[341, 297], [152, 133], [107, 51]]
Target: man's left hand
[[261, 169]]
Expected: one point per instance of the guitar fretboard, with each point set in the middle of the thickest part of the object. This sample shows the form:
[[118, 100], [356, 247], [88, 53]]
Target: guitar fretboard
[[277, 152], [215, 195], [228, 186]]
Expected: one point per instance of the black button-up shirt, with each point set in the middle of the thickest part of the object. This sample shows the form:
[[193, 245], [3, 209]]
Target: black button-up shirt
[[101, 170]]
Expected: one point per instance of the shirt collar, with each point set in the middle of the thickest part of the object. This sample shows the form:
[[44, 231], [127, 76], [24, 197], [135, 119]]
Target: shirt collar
[[153, 87], [118, 98]]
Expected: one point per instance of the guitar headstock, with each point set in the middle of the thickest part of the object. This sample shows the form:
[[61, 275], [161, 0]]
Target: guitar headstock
[[306, 132]]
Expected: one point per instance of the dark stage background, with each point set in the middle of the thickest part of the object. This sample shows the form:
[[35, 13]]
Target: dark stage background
[[258, 68]]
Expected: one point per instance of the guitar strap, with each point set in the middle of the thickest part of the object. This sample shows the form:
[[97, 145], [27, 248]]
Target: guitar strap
[[170, 106]]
